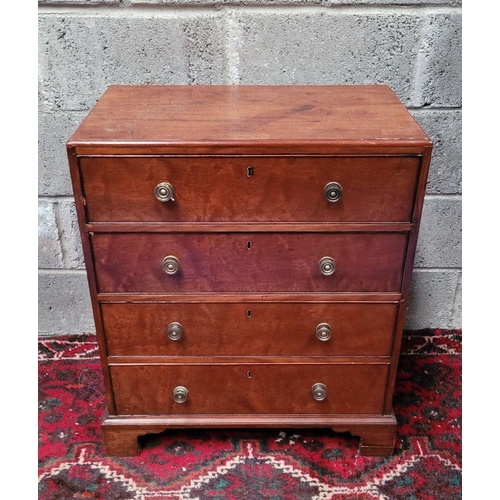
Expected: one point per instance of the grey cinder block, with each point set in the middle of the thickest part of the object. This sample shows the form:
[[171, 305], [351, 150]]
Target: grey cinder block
[[430, 303], [440, 237], [59, 242], [393, 2], [71, 234], [438, 81], [79, 2], [220, 3], [64, 303], [326, 3], [415, 51], [456, 316], [80, 56], [54, 130], [49, 246], [444, 127], [328, 47]]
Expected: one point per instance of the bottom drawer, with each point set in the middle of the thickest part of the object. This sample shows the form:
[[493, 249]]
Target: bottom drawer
[[249, 388]]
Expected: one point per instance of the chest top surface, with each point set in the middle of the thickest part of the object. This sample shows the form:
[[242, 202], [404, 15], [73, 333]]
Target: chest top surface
[[176, 116]]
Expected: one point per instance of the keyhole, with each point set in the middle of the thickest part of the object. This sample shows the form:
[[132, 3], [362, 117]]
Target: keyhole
[[249, 171], [249, 245], [249, 374], [249, 313]]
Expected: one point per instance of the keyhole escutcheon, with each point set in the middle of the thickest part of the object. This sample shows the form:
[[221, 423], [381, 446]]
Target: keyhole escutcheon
[[249, 171]]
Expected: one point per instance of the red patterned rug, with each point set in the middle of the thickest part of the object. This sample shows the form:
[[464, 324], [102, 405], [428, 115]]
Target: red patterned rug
[[277, 464]]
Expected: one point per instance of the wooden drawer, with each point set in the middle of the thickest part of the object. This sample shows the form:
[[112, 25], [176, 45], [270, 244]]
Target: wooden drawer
[[285, 262], [249, 388], [219, 189], [251, 329]]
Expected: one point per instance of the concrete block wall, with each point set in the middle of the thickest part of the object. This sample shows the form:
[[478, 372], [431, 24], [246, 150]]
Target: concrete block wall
[[412, 45]]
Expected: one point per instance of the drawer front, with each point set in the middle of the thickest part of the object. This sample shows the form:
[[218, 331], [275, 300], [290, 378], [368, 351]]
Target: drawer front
[[248, 389], [252, 329], [374, 189], [258, 262]]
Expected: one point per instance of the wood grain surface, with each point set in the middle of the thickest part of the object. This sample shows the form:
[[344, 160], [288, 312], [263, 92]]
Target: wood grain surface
[[249, 329], [374, 189], [217, 116], [249, 389], [285, 262]]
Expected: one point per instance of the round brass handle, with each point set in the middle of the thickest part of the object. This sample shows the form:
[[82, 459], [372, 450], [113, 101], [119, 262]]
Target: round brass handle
[[164, 192], [333, 192], [324, 332], [174, 331], [170, 264], [327, 266], [319, 391], [180, 394]]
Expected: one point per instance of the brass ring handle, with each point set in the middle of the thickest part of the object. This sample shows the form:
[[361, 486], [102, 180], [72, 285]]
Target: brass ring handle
[[319, 391], [333, 192], [324, 332], [170, 264], [164, 192], [180, 394], [174, 331], [327, 266]]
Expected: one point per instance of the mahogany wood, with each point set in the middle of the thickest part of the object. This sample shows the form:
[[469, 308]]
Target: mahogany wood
[[89, 263], [408, 269], [287, 148], [248, 227], [246, 116], [265, 329], [294, 297], [122, 442], [157, 423], [253, 359], [275, 262], [375, 440], [249, 243], [377, 433], [220, 189], [249, 388]]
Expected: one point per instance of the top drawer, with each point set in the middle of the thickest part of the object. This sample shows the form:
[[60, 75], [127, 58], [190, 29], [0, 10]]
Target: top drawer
[[249, 189]]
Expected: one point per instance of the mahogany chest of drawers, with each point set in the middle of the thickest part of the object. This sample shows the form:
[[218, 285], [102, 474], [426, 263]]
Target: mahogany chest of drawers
[[249, 251]]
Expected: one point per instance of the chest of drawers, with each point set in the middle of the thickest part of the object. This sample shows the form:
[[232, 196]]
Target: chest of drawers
[[249, 251]]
